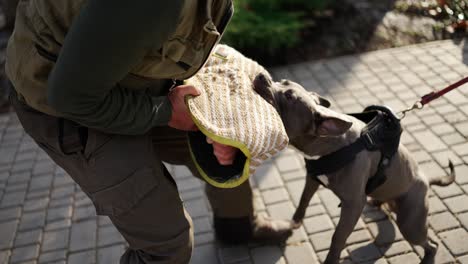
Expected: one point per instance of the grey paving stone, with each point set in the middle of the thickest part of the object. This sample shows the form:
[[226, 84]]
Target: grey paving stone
[[358, 236], [397, 248], [4, 256], [293, 175], [442, 129], [432, 170], [205, 254], [39, 194], [300, 253], [287, 163], [7, 155], [19, 177], [410, 258], [298, 236], [384, 232], [59, 213], [83, 235], [54, 240], [64, 191], [463, 260], [321, 241], [463, 218], [10, 214], [36, 204], [108, 235], [462, 128], [455, 117], [234, 254], [443, 221], [28, 237], [104, 220], [58, 224], [267, 254], [202, 224], [314, 210], [62, 202], [83, 213], [188, 184], [32, 220], [373, 216], [457, 204], [283, 210], [318, 223], [88, 257], [443, 255], [344, 257], [461, 174], [267, 177], [363, 252], [181, 172], [192, 194], [110, 255], [436, 205], [196, 208], [421, 156], [7, 233], [53, 256], [275, 195], [40, 182], [21, 254], [447, 191], [453, 139], [330, 201], [204, 238], [43, 167], [13, 199], [443, 158], [455, 240], [429, 141]]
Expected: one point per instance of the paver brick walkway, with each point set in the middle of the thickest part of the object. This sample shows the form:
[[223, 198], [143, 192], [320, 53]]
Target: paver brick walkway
[[45, 218]]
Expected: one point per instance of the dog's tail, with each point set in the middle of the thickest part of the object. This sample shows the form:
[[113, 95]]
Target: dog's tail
[[446, 180]]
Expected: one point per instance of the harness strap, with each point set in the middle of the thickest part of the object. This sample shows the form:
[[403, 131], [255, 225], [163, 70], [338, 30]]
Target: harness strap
[[334, 161]]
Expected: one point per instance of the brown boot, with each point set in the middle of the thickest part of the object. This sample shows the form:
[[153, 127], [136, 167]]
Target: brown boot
[[243, 230], [270, 230]]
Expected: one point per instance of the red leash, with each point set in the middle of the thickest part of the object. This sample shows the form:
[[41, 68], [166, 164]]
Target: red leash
[[433, 95]]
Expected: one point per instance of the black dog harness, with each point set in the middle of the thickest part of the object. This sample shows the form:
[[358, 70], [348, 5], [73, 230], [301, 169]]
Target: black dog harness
[[382, 133]]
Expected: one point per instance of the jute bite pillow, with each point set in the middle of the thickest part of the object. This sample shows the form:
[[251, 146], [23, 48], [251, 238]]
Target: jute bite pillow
[[230, 112]]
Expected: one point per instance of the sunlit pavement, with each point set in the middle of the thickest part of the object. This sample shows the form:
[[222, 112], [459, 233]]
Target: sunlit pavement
[[45, 218]]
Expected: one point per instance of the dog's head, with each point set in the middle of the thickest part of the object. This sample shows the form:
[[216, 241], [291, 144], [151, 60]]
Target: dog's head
[[303, 113]]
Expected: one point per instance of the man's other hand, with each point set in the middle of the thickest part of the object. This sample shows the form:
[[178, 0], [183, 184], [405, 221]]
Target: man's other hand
[[224, 154], [181, 118]]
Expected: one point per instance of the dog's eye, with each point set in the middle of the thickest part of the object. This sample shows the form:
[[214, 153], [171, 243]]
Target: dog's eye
[[285, 82]]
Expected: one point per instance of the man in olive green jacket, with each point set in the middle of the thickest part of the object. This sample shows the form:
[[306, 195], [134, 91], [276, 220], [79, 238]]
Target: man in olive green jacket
[[91, 85]]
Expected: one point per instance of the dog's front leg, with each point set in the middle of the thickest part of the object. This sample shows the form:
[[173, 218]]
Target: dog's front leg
[[350, 212], [310, 188]]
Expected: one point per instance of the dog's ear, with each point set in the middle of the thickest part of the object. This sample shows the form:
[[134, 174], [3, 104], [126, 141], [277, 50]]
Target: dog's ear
[[263, 87], [320, 100], [330, 123]]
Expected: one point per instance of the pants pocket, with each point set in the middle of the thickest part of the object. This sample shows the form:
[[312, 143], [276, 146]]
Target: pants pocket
[[123, 196]]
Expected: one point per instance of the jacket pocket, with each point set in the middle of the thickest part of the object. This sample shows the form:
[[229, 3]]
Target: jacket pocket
[[122, 197]]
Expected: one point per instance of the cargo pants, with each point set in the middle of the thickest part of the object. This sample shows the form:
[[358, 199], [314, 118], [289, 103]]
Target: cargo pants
[[126, 180]]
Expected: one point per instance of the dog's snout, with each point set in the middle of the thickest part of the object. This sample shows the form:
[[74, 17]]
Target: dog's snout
[[261, 81]]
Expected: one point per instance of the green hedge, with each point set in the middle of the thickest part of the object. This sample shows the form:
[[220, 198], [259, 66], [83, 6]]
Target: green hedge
[[269, 25]]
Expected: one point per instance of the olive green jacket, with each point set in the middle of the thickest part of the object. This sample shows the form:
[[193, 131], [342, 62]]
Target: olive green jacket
[[106, 63]]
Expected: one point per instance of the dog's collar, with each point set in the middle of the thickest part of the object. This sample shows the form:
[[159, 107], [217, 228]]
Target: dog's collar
[[382, 132]]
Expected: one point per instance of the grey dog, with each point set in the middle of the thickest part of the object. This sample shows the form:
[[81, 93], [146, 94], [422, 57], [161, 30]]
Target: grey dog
[[316, 130]]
